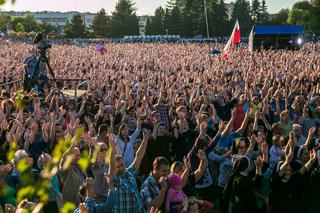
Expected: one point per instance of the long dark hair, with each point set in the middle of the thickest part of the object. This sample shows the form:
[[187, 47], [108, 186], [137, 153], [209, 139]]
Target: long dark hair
[[119, 133], [239, 165]]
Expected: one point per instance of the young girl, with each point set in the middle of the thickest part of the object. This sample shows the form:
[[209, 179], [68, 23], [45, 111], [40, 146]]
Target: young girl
[[175, 195]]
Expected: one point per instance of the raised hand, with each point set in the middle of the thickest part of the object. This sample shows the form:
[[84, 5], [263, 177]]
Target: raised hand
[[163, 183], [83, 208], [201, 155], [259, 162], [5, 169], [186, 162], [203, 127], [264, 148], [312, 130]]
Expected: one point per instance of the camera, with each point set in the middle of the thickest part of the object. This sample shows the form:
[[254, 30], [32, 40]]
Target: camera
[[43, 45]]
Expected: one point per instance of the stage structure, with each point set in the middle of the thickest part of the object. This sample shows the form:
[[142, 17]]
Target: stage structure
[[276, 37]]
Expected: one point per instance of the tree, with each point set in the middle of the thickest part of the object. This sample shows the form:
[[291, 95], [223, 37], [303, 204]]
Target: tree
[[4, 21], [157, 22], [303, 5], [148, 30], [315, 17], [175, 23], [100, 24], [48, 28], [200, 19], [124, 20], [279, 18], [171, 4], [19, 27], [255, 11], [263, 12], [28, 21], [301, 14], [188, 18], [76, 28], [299, 17], [241, 12], [218, 18]]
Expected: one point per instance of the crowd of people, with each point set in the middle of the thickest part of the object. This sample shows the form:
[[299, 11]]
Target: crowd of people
[[167, 128]]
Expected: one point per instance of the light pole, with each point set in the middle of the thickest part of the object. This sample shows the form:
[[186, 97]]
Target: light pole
[[206, 14]]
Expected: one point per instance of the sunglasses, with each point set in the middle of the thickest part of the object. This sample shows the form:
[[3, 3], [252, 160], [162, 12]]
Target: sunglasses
[[103, 149]]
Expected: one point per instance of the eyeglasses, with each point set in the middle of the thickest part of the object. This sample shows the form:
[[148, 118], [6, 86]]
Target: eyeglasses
[[242, 147]]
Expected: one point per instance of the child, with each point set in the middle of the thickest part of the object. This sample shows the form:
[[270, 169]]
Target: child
[[175, 195]]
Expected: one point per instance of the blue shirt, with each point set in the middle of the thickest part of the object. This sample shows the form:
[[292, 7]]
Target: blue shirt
[[226, 141], [107, 206]]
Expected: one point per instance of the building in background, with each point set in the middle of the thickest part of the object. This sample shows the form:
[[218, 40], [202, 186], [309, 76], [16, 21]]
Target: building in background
[[142, 24], [60, 18], [56, 18]]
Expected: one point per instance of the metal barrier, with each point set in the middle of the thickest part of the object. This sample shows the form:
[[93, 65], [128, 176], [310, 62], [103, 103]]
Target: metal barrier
[[76, 86], [4, 85]]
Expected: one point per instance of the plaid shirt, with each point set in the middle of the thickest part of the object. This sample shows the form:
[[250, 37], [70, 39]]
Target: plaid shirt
[[149, 191], [129, 199], [164, 113]]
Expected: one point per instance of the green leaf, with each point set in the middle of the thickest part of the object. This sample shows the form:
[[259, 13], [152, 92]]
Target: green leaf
[[22, 165], [84, 161], [68, 208], [58, 151], [67, 162], [26, 178], [78, 135], [24, 192], [12, 151], [19, 103], [2, 2]]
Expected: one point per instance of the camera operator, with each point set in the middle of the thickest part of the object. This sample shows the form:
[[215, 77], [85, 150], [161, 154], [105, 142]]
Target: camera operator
[[34, 80]]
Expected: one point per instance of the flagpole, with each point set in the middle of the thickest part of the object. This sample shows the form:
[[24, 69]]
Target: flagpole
[[206, 14]]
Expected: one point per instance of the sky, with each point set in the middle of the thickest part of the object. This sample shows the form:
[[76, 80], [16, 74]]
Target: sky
[[145, 7]]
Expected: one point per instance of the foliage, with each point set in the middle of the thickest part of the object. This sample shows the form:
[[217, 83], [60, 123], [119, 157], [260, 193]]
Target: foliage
[[279, 18], [218, 18], [241, 12], [156, 22], [4, 21], [26, 23], [300, 14], [124, 20], [255, 11], [299, 17], [76, 28], [100, 24]]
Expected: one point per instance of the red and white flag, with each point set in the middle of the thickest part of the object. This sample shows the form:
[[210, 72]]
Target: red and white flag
[[234, 39]]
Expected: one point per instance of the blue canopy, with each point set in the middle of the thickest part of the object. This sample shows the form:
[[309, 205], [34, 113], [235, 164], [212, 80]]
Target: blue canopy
[[277, 29], [214, 52]]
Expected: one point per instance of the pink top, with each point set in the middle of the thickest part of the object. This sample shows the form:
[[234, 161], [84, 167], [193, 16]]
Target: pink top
[[174, 195]]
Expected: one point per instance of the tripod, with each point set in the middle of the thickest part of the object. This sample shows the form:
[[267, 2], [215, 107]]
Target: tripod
[[28, 85]]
